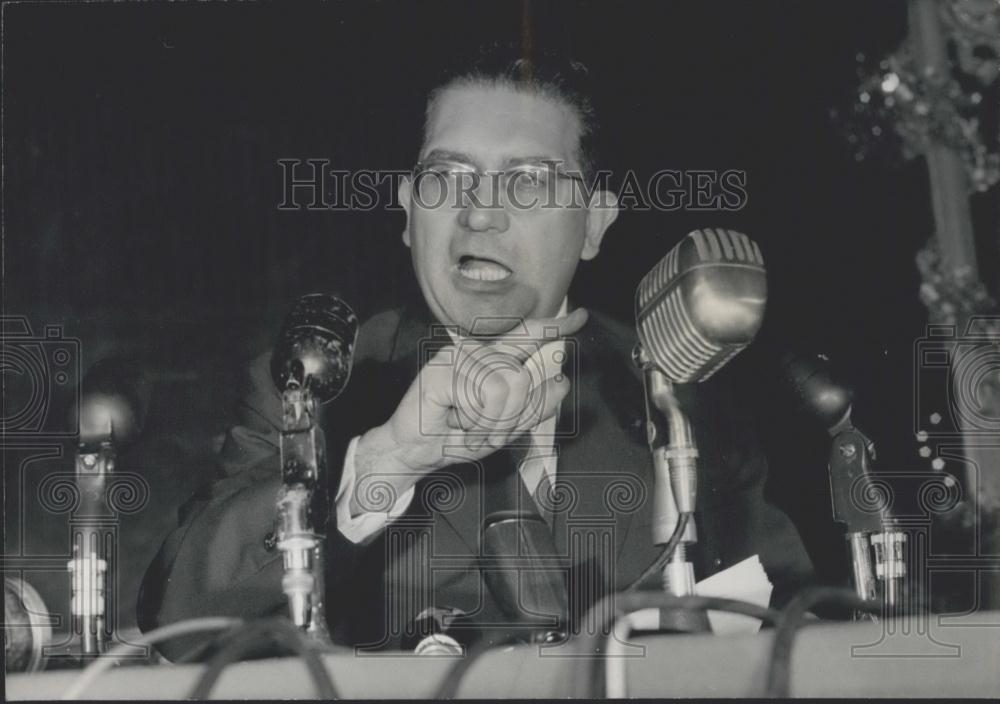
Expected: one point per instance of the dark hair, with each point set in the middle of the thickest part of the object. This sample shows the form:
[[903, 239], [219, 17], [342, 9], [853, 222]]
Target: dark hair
[[548, 73]]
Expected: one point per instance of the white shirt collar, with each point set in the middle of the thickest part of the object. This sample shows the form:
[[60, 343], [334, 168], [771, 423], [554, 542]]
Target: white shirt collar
[[456, 338]]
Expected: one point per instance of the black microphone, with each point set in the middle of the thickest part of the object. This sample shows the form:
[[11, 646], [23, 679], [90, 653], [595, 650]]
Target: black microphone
[[701, 304], [827, 399], [816, 390], [315, 347], [114, 399], [521, 567]]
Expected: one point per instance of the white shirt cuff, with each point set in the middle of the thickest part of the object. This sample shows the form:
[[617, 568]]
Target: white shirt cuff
[[360, 528]]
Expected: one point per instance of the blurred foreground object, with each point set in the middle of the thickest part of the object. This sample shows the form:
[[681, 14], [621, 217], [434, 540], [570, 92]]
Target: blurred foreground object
[[26, 627]]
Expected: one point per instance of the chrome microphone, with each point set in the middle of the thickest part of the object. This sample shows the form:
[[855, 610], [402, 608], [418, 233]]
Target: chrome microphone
[[315, 348], [311, 364], [700, 306]]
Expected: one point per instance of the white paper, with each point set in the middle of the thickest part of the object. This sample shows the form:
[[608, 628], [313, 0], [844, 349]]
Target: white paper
[[746, 581]]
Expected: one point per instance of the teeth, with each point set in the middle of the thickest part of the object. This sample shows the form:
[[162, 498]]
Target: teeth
[[483, 271]]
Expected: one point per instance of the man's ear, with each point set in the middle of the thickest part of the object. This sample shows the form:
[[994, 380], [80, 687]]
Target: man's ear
[[601, 212], [403, 193]]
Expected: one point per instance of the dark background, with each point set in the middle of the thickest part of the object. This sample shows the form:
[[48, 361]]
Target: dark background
[[141, 187]]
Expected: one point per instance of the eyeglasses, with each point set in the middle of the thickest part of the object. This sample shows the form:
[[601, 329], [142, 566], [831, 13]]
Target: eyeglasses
[[452, 183]]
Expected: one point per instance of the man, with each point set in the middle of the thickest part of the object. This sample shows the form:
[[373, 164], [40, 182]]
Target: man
[[433, 434]]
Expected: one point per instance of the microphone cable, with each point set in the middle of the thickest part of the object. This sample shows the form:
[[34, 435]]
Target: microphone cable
[[157, 635], [594, 646], [194, 655], [664, 557], [241, 639], [453, 678], [792, 618], [209, 646]]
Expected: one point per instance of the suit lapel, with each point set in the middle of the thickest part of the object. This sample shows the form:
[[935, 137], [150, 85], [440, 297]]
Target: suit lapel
[[603, 460]]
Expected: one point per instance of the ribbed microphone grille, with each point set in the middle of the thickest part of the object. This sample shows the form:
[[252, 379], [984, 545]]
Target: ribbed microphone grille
[[669, 335], [711, 245], [667, 326]]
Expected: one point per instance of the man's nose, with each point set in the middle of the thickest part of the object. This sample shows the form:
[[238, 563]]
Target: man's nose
[[483, 210]]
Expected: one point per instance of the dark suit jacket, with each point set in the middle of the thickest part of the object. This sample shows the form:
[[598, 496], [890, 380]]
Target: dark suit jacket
[[217, 561]]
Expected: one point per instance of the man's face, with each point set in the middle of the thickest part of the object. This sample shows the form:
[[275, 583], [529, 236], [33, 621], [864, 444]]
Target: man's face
[[480, 262]]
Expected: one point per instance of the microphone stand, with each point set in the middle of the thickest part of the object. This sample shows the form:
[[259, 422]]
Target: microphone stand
[[672, 444], [302, 508], [850, 460], [95, 461]]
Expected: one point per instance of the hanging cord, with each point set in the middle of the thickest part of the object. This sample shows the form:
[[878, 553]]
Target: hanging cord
[[664, 557], [276, 631]]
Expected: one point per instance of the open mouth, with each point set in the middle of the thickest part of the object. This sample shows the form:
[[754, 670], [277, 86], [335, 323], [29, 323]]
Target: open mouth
[[482, 269]]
